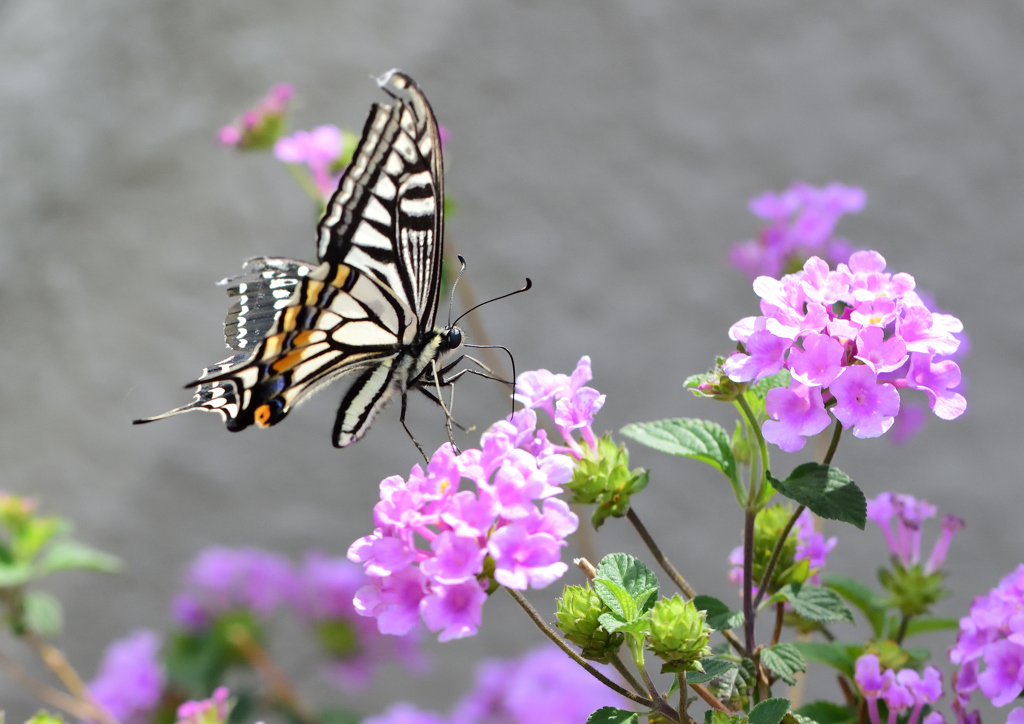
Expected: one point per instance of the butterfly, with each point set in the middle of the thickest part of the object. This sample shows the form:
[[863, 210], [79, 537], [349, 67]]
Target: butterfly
[[367, 307]]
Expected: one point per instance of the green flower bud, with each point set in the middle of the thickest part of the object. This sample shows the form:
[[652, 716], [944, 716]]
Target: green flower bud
[[715, 384], [679, 634], [768, 526], [603, 477], [578, 611], [911, 590]]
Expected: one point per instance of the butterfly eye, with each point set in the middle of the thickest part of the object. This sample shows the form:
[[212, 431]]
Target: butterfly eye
[[454, 337]]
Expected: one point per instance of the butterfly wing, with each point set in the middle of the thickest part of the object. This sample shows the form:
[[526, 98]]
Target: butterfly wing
[[387, 216], [324, 322]]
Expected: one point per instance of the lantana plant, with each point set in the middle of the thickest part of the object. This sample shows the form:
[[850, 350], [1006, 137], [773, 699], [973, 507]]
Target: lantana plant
[[839, 342]]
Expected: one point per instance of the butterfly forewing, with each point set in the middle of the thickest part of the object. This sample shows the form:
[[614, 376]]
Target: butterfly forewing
[[387, 216]]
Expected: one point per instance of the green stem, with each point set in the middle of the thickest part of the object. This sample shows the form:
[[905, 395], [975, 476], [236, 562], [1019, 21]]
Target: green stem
[[904, 622], [557, 640], [755, 495], [762, 587], [748, 574], [833, 445], [626, 674], [304, 180], [684, 699]]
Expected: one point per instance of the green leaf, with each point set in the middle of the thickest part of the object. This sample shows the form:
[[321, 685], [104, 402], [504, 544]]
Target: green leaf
[[784, 660], [861, 596], [769, 711], [793, 718], [338, 716], [40, 717], [713, 668], [827, 491], [616, 598], [613, 623], [698, 439], [16, 574], [814, 603], [837, 655], [611, 715], [70, 555], [43, 613], [720, 618], [827, 712], [928, 625], [631, 574]]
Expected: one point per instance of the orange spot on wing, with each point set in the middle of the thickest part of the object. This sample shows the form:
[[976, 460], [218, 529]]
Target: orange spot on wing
[[262, 415]]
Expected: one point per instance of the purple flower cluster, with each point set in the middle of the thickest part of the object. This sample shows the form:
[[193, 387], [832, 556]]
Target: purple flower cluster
[[910, 515], [810, 544], [900, 690], [498, 520], [271, 108], [850, 338], [225, 579], [214, 710], [800, 223], [320, 149], [542, 687], [131, 679], [993, 633]]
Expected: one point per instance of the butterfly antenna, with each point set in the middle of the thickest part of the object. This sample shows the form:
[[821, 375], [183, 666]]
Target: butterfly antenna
[[511, 357], [451, 297], [526, 288]]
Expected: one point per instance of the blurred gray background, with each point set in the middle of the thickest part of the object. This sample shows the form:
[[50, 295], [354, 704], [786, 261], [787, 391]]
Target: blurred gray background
[[605, 149]]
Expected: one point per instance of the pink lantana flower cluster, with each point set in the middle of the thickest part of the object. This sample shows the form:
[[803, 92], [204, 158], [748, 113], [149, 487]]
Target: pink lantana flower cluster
[[850, 338], [484, 514], [993, 633], [800, 222], [910, 514], [260, 126], [321, 150], [214, 710], [901, 690], [131, 678]]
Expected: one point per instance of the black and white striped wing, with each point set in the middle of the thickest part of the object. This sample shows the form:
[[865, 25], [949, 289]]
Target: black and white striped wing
[[387, 216], [297, 327]]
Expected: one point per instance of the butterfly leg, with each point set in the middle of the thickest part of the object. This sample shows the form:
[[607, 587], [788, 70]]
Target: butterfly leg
[[440, 400], [408, 431]]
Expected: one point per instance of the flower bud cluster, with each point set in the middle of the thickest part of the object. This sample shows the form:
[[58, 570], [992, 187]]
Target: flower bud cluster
[[901, 690], [993, 634], [679, 634], [492, 532], [578, 612], [261, 126], [800, 223], [850, 338]]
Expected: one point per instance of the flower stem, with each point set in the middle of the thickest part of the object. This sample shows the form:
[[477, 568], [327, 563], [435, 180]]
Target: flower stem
[[670, 569], [904, 622], [833, 445], [780, 613], [280, 687], [626, 674], [755, 491], [58, 664], [553, 635], [684, 697], [75, 706], [748, 584], [713, 701], [776, 552]]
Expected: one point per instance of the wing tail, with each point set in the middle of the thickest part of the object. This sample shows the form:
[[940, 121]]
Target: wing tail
[[220, 396]]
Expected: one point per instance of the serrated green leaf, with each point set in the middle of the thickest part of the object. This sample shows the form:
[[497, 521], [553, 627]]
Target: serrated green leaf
[[70, 555], [17, 574], [826, 491], [769, 711], [861, 596], [688, 437], [827, 712], [611, 715], [720, 618], [713, 668], [834, 654], [616, 598], [785, 661], [629, 573], [646, 600], [43, 613], [814, 603], [929, 625], [793, 718]]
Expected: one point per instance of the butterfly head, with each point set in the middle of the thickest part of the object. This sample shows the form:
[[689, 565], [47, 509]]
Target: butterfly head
[[452, 340]]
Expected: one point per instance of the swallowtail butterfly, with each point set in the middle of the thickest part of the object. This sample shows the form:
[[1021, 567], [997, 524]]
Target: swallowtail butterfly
[[367, 307]]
